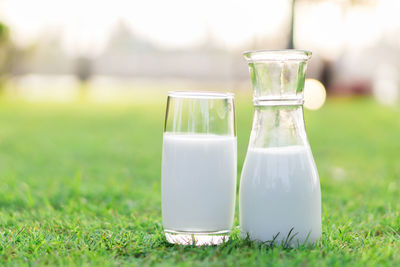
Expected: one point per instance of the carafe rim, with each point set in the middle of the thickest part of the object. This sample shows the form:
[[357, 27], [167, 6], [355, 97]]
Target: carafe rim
[[201, 94], [277, 55]]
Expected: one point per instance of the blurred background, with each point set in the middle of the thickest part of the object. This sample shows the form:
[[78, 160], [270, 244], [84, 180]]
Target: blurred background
[[121, 50], [83, 90]]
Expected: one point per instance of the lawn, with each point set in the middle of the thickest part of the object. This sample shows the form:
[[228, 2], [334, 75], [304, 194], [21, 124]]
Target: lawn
[[80, 185]]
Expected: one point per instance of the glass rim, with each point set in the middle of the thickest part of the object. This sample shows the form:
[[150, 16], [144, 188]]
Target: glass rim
[[201, 94], [277, 55]]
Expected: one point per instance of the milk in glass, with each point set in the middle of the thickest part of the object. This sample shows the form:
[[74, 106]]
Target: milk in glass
[[198, 182]]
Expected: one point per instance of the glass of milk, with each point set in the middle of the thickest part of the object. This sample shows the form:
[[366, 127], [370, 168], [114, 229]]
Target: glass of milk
[[279, 196], [199, 168]]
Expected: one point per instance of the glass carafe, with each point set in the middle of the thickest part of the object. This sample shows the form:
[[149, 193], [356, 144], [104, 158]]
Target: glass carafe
[[280, 196]]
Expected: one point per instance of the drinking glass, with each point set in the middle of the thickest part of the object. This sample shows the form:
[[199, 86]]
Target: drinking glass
[[199, 168]]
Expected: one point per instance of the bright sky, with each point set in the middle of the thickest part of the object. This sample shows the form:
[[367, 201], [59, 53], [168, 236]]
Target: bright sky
[[328, 27], [86, 24]]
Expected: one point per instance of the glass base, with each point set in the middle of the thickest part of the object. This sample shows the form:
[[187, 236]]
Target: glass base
[[197, 238]]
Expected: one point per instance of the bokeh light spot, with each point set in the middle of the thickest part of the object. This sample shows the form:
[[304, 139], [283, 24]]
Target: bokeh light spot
[[314, 94]]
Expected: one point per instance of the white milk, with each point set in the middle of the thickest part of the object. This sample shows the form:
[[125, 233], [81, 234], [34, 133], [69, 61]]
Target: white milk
[[279, 191], [198, 182]]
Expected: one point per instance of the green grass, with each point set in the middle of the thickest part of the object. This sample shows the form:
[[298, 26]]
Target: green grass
[[80, 185]]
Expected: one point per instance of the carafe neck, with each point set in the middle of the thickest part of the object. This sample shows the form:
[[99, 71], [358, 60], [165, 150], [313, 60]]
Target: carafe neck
[[277, 76], [278, 126]]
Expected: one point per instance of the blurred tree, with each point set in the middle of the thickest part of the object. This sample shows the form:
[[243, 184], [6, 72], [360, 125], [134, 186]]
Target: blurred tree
[[48, 56], [83, 71], [6, 54], [123, 41], [12, 58]]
